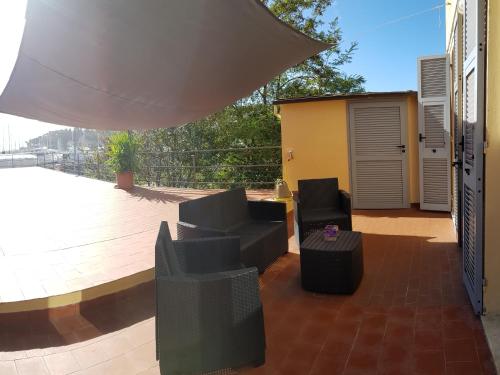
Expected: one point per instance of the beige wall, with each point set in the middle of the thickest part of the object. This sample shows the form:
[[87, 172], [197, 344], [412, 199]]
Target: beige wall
[[317, 134], [492, 163]]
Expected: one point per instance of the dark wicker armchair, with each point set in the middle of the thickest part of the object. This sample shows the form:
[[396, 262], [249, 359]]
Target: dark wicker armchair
[[320, 202], [208, 310]]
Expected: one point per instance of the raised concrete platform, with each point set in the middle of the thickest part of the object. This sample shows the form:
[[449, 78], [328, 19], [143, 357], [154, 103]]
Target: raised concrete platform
[[66, 239]]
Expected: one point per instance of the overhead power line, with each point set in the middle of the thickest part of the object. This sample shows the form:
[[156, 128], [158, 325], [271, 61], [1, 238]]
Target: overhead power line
[[403, 18]]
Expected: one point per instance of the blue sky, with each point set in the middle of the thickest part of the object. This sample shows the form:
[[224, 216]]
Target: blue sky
[[387, 56]]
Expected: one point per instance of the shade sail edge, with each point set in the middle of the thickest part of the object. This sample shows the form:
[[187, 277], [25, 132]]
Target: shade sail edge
[[162, 64]]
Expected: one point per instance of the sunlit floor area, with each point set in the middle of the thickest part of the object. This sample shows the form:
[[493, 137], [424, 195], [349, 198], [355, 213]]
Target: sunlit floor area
[[410, 315], [65, 238]]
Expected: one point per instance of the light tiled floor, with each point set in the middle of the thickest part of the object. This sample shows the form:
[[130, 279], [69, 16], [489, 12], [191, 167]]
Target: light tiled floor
[[61, 233], [410, 315]]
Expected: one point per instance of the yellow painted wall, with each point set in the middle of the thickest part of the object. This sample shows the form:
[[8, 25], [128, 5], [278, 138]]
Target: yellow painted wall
[[317, 134], [492, 163]]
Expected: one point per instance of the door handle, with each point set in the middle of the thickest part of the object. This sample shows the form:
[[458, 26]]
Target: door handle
[[421, 137], [402, 147]]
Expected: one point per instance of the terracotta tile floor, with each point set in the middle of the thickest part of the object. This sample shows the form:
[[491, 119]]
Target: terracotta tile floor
[[410, 315], [60, 233]]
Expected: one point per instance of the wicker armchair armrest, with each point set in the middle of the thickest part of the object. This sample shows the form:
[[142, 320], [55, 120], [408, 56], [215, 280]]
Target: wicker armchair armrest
[[247, 274], [194, 309], [192, 288], [345, 201], [206, 255], [265, 210], [188, 230], [183, 318], [297, 208]]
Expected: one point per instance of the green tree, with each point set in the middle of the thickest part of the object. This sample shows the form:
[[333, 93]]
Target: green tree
[[320, 74], [216, 149]]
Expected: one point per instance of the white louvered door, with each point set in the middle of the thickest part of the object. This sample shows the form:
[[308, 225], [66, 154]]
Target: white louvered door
[[473, 157], [434, 133], [379, 171], [456, 80]]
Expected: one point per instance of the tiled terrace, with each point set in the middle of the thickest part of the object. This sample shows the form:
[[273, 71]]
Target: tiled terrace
[[409, 316], [65, 238]]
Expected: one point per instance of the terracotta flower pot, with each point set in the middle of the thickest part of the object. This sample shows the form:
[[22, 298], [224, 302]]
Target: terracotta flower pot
[[125, 180]]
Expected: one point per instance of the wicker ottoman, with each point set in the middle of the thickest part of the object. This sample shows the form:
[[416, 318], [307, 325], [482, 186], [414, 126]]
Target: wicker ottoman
[[332, 266]]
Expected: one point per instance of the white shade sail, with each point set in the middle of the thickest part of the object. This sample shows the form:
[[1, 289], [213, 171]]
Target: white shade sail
[[129, 64]]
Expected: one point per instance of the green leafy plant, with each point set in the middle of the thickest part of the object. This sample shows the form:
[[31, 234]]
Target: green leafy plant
[[122, 152]]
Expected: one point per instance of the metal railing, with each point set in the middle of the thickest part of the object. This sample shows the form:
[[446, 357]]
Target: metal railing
[[251, 167]]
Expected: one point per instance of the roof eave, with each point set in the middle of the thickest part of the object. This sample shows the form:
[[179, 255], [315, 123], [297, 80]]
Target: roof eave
[[366, 95]]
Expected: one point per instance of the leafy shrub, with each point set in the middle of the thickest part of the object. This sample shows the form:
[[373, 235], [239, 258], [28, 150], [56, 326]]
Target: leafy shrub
[[122, 150]]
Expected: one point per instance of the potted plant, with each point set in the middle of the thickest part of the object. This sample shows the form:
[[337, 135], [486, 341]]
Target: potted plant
[[281, 189], [122, 157]]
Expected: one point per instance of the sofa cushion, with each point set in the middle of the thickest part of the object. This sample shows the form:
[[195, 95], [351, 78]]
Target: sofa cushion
[[234, 207], [219, 211], [252, 231], [322, 215]]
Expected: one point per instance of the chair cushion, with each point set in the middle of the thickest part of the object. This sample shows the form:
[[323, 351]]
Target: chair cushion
[[323, 215], [319, 193]]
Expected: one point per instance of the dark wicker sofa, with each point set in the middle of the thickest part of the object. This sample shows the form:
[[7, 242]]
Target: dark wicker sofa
[[261, 225], [320, 202], [208, 309]]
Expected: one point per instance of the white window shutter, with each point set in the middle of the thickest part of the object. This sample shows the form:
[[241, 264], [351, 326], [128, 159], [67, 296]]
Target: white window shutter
[[434, 133]]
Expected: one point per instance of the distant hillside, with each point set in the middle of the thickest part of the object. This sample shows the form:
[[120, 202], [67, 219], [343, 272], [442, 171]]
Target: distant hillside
[[63, 139]]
